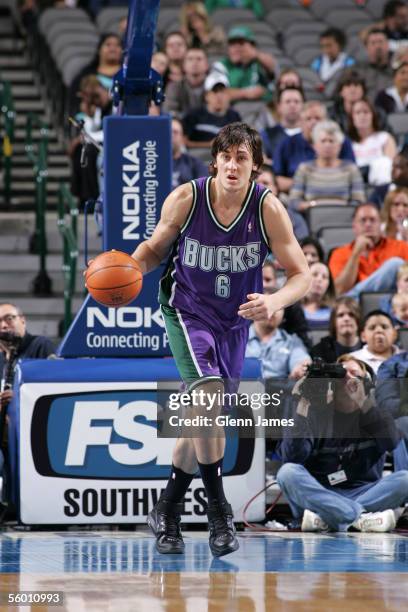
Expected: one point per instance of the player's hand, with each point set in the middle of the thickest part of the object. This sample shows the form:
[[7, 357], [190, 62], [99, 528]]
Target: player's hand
[[84, 272], [259, 306]]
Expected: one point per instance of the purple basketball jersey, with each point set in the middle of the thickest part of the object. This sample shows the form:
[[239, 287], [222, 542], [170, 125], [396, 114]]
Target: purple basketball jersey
[[213, 267]]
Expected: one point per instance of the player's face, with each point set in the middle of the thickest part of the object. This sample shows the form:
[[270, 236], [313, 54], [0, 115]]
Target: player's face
[[11, 321], [234, 167]]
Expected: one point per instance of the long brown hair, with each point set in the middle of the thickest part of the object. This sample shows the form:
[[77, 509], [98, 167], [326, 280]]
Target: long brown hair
[[354, 308], [352, 130], [390, 225]]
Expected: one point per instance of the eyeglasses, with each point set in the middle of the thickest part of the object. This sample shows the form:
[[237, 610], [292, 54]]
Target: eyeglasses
[[9, 318]]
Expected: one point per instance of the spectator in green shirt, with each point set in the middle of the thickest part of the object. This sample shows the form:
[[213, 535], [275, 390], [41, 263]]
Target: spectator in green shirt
[[249, 70], [253, 5]]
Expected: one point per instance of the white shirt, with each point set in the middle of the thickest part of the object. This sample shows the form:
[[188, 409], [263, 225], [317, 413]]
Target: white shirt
[[373, 360]]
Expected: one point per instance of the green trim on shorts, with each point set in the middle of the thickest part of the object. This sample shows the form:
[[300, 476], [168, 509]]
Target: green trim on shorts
[[180, 344]]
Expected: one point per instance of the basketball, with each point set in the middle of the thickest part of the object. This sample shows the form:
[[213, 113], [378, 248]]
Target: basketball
[[114, 278]]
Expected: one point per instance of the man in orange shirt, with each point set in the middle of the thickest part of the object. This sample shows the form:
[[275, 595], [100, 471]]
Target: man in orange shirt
[[371, 261]]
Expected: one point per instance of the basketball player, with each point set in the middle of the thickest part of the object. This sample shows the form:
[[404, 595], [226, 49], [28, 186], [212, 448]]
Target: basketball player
[[219, 231]]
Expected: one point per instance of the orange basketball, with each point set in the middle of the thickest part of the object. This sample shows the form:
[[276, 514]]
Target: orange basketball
[[114, 278]]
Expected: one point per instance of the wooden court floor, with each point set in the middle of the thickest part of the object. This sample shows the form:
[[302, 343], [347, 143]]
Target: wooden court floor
[[121, 571]]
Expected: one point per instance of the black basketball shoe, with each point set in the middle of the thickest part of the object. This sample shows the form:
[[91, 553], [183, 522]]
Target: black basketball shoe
[[164, 521], [222, 530]]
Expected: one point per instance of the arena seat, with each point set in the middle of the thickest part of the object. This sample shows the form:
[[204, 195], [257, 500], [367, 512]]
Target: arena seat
[[375, 8], [341, 18], [108, 18], [297, 41], [56, 30], [308, 28], [61, 15], [329, 215], [73, 40], [316, 335], [370, 300], [399, 125], [227, 17], [73, 66], [332, 237], [321, 8], [305, 55], [280, 18], [403, 338]]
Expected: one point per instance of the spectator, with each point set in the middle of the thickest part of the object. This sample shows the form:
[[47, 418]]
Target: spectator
[[370, 262], [27, 346], [344, 329], [106, 63], [395, 18], [374, 149], [203, 124], [399, 178], [312, 249], [293, 150], [95, 104], [175, 47], [399, 303], [185, 166], [188, 93], [198, 30], [318, 301], [395, 214], [390, 396], [385, 303], [282, 355], [335, 481], [249, 71], [288, 77], [332, 58], [327, 179], [294, 321], [379, 335], [376, 69], [255, 6], [289, 108], [160, 63], [267, 178], [395, 99], [350, 88]]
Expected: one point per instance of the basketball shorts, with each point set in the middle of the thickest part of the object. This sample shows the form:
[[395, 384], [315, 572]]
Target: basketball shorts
[[202, 353]]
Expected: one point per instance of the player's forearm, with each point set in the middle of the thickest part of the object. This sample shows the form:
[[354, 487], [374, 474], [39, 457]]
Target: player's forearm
[[294, 289], [146, 257]]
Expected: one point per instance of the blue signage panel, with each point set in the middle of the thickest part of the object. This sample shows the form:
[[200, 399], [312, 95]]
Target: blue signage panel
[[136, 330], [137, 166]]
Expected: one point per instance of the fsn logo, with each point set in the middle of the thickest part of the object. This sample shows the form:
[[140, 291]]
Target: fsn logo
[[129, 317], [87, 431]]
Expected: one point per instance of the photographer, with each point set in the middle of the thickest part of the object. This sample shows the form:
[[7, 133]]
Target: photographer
[[333, 460], [15, 343]]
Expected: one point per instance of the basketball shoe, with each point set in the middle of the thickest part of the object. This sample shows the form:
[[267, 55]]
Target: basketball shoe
[[164, 521], [222, 539]]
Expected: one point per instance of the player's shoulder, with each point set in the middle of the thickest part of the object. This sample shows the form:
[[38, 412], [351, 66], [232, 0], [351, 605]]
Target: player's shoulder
[[272, 205], [182, 194]]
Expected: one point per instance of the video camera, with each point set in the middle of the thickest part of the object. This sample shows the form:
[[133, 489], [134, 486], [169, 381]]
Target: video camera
[[316, 384]]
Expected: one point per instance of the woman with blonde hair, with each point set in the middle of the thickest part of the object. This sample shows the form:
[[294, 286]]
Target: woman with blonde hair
[[198, 30], [395, 214]]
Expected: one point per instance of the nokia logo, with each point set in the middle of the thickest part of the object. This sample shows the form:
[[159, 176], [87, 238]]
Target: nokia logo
[[131, 191], [127, 317]]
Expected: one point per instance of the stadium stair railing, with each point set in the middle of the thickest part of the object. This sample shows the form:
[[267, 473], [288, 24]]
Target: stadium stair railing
[[6, 153], [68, 229], [37, 153]]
